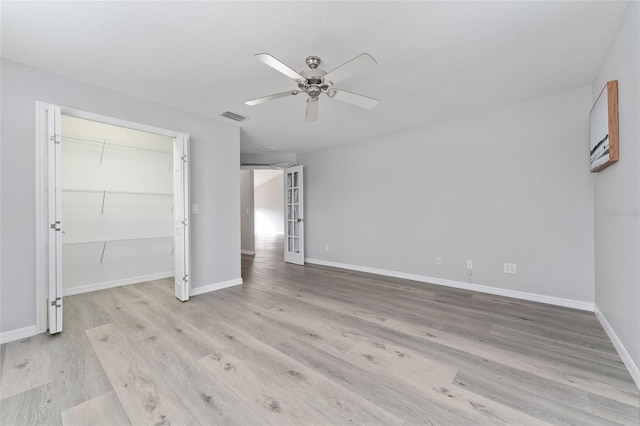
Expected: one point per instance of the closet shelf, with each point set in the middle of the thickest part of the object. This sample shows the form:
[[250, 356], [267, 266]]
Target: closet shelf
[[105, 243], [104, 142], [97, 191], [124, 240], [104, 194]]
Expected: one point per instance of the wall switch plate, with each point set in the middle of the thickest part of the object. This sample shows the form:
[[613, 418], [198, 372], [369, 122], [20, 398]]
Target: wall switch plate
[[195, 209], [438, 260], [469, 264], [509, 268], [326, 247]]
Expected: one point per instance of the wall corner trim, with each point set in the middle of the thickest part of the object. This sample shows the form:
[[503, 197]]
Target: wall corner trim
[[17, 334], [217, 286], [533, 297], [622, 351]]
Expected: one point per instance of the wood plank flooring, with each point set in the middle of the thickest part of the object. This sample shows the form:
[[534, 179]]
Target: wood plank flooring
[[316, 346]]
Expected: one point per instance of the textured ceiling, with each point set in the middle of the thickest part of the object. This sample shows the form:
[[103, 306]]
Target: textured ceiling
[[436, 60]]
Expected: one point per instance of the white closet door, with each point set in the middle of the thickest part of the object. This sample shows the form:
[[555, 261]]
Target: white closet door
[[54, 211], [294, 216], [181, 217]]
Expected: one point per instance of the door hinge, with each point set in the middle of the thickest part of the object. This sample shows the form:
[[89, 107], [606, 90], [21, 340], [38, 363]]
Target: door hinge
[[55, 138], [56, 226], [185, 278], [184, 158], [184, 222], [57, 303]]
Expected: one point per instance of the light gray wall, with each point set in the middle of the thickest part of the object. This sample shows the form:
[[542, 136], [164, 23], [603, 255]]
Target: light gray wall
[[246, 210], [617, 193], [215, 245], [510, 185], [269, 206]]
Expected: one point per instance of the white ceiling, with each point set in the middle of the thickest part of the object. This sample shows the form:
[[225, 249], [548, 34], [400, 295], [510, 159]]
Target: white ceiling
[[436, 60]]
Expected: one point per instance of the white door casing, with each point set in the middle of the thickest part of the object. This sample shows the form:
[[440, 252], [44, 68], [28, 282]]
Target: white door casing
[[294, 215], [182, 256], [54, 215], [49, 288]]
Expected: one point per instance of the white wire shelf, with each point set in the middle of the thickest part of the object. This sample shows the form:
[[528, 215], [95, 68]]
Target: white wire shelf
[[105, 243], [104, 142], [119, 241], [97, 191]]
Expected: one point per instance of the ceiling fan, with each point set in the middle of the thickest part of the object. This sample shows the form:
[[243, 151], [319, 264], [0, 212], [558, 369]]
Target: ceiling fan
[[315, 81]]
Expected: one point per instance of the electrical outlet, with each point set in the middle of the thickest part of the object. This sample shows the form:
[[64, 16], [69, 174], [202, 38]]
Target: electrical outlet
[[469, 264], [509, 268], [438, 260], [326, 247]]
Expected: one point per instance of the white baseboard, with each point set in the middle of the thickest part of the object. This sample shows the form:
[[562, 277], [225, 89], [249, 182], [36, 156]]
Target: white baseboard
[[622, 351], [118, 283], [213, 287], [20, 333], [534, 297], [249, 252]]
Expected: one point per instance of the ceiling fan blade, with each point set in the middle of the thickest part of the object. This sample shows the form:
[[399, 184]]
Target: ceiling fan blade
[[350, 68], [272, 97], [278, 66], [311, 113], [352, 98]]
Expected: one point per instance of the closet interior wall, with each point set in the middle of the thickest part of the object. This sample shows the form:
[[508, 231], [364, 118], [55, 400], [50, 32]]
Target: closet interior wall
[[117, 205]]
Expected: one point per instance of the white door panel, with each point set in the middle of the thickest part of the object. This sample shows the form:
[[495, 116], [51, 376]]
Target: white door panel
[[54, 212], [294, 215], [182, 256]]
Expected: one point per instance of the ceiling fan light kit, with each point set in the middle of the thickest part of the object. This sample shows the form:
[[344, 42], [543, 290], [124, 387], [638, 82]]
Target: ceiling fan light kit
[[315, 81]]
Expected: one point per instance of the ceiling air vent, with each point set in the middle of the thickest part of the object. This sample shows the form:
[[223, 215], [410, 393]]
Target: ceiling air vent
[[233, 116]]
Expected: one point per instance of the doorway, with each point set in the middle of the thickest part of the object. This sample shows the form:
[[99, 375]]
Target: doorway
[[99, 210], [268, 203], [117, 205], [272, 208], [262, 204], [268, 217]]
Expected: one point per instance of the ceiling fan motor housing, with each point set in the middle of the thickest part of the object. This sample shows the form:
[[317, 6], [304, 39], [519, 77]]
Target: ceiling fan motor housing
[[314, 83]]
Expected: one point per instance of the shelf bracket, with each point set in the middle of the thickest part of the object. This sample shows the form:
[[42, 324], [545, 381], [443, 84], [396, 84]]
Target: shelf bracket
[[104, 195], [104, 142]]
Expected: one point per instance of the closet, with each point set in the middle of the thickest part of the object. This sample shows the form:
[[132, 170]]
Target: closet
[[117, 206]]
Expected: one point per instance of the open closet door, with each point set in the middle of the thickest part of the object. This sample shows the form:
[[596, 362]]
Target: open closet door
[[54, 212], [181, 217], [294, 216]]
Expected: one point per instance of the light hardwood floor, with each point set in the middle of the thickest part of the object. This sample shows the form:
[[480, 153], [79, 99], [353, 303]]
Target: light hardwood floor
[[318, 346]]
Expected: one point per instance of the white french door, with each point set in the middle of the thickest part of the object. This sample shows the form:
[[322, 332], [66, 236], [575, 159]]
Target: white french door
[[54, 216], [294, 216], [182, 258]]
